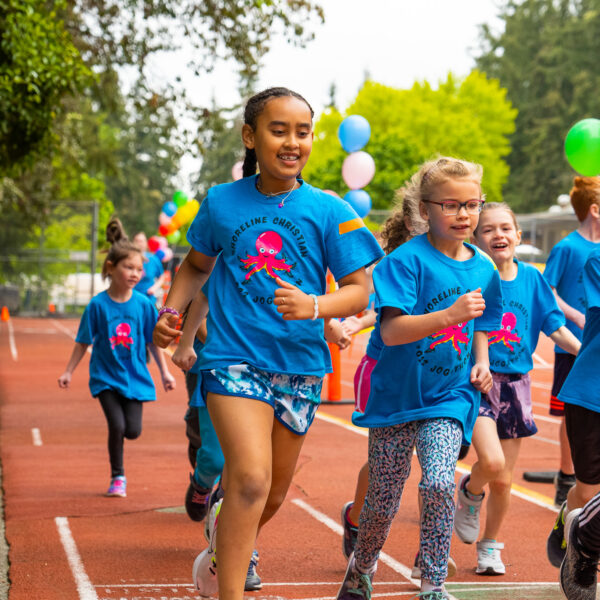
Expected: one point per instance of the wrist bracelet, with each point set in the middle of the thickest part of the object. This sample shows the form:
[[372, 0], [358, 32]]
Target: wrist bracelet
[[167, 309], [316, 301]]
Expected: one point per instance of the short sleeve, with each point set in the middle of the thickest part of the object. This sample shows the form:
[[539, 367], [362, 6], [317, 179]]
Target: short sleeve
[[87, 326], [554, 318], [555, 266], [591, 280], [350, 245], [395, 285], [491, 318], [201, 233], [158, 267], [150, 318]]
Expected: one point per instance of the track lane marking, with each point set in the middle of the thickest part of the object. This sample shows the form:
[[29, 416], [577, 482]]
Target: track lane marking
[[66, 331], [11, 341], [36, 436]]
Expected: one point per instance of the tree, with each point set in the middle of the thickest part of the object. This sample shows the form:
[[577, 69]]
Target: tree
[[469, 119], [547, 59]]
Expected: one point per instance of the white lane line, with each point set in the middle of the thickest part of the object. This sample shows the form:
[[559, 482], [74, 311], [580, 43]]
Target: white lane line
[[542, 386], [544, 363], [547, 419], [82, 581], [343, 424], [66, 331], [11, 341], [36, 436]]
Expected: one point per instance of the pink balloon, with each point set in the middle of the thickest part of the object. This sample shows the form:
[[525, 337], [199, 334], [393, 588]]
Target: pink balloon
[[168, 254], [162, 242], [332, 193], [164, 219], [237, 170], [358, 170]]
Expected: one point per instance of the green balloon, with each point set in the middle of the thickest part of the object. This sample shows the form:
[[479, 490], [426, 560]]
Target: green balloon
[[180, 198], [174, 237], [582, 147]]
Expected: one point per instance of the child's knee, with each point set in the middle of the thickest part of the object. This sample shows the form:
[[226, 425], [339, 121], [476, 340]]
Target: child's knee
[[132, 433], [251, 487], [438, 490], [493, 464]]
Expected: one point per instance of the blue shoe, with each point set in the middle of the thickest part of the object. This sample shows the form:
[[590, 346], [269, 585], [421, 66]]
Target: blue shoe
[[556, 546], [253, 581], [350, 532], [356, 585]]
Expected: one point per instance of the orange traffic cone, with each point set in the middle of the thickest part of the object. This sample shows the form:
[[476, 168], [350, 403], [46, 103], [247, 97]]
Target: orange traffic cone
[[4, 316]]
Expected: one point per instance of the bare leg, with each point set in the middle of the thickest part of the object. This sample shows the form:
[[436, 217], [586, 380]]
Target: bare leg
[[490, 457], [566, 462], [580, 494], [362, 484]]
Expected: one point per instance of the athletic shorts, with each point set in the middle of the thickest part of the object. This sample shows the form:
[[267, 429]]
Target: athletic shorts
[[362, 382], [509, 404], [583, 431], [563, 363], [294, 398]]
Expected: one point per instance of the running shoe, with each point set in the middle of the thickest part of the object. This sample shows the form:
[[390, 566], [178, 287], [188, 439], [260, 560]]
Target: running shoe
[[204, 571], [215, 496], [439, 593], [489, 561], [416, 570], [350, 532], [196, 500], [118, 487], [578, 571], [356, 585], [466, 517], [556, 546], [253, 581], [562, 483]]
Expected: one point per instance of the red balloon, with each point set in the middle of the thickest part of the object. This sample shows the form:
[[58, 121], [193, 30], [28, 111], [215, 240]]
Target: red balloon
[[153, 244], [163, 230]]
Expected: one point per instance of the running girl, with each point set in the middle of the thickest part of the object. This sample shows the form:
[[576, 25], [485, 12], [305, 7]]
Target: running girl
[[437, 297], [505, 413], [265, 354], [118, 322]]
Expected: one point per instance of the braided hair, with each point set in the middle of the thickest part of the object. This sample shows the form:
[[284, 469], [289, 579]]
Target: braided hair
[[254, 107]]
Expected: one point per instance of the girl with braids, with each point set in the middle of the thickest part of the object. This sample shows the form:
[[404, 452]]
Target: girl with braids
[[118, 322], [266, 241]]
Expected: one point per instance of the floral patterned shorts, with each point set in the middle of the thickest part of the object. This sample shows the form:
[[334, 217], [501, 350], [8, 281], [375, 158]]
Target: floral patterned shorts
[[294, 398]]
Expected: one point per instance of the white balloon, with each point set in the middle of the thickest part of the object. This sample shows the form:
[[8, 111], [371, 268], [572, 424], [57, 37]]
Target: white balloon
[[358, 169], [237, 170]]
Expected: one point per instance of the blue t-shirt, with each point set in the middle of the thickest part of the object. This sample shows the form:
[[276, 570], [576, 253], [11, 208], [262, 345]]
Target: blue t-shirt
[[375, 344], [119, 332], [257, 240], [153, 269], [582, 386], [564, 271], [430, 378], [529, 306], [196, 398]]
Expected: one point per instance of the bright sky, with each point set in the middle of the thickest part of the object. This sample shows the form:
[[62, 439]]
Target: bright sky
[[395, 41]]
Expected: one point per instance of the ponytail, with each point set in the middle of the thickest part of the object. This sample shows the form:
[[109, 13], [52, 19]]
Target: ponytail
[[121, 247], [250, 162]]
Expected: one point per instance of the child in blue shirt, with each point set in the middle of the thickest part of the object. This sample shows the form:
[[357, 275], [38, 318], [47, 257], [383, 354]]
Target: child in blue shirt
[[118, 323], [563, 272], [265, 353], [437, 297], [505, 413]]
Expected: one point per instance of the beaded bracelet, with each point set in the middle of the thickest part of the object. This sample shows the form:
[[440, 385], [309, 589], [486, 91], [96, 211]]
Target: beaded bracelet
[[316, 301], [167, 309]]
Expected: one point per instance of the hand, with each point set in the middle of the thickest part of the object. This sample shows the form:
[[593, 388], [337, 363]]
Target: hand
[[468, 306], [344, 341], [579, 320], [164, 330], [64, 380], [184, 357], [168, 381], [352, 325], [481, 378], [292, 302], [335, 334]]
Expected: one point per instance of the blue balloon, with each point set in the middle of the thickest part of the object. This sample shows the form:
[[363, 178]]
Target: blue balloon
[[169, 208], [360, 201], [160, 254], [354, 132]]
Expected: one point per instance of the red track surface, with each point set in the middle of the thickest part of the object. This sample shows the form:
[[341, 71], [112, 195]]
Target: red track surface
[[142, 547]]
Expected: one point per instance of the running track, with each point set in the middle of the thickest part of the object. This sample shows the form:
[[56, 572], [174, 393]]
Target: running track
[[67, 541]]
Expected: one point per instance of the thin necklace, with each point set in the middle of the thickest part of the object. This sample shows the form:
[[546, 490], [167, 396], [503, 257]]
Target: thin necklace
[[273, 194]]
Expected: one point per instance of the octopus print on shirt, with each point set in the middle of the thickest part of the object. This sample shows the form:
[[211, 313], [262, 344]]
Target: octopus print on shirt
[[257, 241]]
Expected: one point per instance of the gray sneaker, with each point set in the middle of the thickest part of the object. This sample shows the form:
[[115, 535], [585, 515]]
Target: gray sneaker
[[439, 593], [356, 585], [489, 561], [466, 517]]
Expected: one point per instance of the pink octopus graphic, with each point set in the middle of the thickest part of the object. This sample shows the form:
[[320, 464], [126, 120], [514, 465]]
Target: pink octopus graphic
[[268, 244], [505, 335], [454, 334], [122, 338]]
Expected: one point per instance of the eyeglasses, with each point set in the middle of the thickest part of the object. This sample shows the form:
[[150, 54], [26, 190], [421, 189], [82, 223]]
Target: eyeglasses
[[452, 207]]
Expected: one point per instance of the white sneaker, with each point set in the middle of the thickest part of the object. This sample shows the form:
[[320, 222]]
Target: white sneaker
[[488, 558], [204, 571], [466, 517]]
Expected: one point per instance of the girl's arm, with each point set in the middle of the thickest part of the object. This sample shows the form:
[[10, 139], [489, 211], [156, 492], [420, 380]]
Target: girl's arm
[[336, 334], [168, 380], [155, 288], [184, 356], [566, 340], [351, 297], [78, 351], [193, 273], [571, 313], [400, 328], [354, 324], [481, 377]]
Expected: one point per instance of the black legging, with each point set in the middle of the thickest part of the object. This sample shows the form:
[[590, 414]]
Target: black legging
[[124, 418]]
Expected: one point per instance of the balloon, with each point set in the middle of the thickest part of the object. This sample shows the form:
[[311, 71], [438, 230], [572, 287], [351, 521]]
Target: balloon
[[358, 169], [160, 254], [167, 229], [164, 218], [169, 208], [162, 242], [354, 132], [153, 244], [360, 201], [582, 147], [168, 254], [332, 193], [179, 198], [237, 170], [174, 237]]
